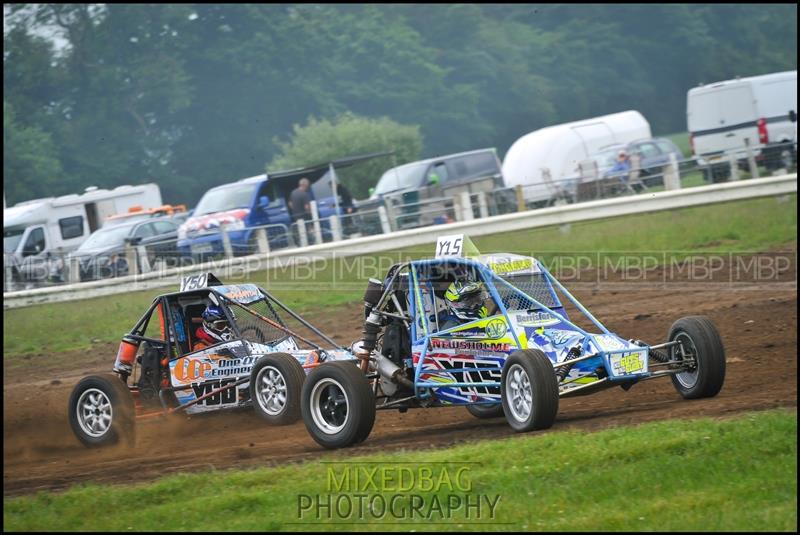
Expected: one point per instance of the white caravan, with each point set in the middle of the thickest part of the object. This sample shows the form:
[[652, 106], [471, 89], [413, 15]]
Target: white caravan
[[722, 115], [546, 163], [36, 230]]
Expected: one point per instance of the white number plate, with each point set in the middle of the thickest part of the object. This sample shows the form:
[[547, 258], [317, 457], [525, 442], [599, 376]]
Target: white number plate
[[202, 248]]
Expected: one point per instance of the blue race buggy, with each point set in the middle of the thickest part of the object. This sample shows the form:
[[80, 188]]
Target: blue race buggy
[[518, 359]]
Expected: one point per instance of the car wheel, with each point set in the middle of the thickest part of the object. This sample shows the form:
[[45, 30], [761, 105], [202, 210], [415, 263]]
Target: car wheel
[[701, 346], [101, 411], [338, 405], [486, 411], [529, 390], [276, 382]]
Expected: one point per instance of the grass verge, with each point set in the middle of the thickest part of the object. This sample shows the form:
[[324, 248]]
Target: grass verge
[[696, 475], [755, 225]]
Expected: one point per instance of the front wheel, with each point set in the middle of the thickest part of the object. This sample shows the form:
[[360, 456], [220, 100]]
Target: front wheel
[[338, 405], [529, 389], [700, 348], [101, 411], [276, 382]]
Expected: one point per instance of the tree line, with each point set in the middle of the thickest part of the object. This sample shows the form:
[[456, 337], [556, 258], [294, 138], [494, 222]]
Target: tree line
[[194, 95]]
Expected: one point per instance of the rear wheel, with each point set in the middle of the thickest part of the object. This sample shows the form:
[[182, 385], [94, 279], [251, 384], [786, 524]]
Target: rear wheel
[[338, 405], [486, 411], [276, 382], [101, 411], [701, 347], [529, 390]]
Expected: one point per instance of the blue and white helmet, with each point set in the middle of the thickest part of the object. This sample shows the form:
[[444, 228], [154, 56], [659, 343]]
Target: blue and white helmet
[[216, 325]]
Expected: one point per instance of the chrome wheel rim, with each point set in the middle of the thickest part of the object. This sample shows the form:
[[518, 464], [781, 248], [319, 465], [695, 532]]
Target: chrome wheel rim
[[688, 378], [271, 390], [519, 394], [94, 413], [329, 406]]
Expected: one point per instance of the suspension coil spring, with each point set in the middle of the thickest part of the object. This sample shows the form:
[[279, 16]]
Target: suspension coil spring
[[563, 371]]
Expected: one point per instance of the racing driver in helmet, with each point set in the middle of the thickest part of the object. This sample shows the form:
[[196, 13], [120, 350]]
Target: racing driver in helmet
[[215, 328], [465, 303]]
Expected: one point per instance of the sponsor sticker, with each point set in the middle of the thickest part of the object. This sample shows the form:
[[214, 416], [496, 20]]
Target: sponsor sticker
[[536, 319], [496, 328], [628, 363]]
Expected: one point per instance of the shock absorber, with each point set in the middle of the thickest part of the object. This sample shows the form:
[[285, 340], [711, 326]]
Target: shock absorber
[[563, 371], [656, 354]]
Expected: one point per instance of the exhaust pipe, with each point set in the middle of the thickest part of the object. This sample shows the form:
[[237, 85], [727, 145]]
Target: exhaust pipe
[[392, 372]]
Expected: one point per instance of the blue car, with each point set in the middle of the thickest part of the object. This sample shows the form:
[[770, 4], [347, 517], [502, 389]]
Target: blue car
[[258, 201], [491, 333]]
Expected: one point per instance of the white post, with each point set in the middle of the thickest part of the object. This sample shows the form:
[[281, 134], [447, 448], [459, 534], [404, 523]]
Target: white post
[[315, 219], [384, 217], [8, 273], [226, 242], [672, 175], [466, 206], [302, 232], [145, 262], [734, 166], [388, 207], [483, 208], [159, 265], [74, 269], [751, 159], [261, 241], [334, 187], [336, 228], [130, 258]]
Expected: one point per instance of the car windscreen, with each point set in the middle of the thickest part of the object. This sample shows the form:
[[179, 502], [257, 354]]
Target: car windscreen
[[127, 219], [252, 327], [11, 238], [106, 237], [534, 285], [226, 198], [407, 176]]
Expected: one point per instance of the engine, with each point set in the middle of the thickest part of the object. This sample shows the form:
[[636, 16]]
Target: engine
[[386, 342]]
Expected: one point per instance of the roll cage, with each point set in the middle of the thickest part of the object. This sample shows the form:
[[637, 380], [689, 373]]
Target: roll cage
[[173, 311]]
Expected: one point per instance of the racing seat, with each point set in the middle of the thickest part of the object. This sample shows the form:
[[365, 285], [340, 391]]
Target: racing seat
[[194, 319]]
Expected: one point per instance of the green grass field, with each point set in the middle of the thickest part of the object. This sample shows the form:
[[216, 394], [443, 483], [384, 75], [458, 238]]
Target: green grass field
[[756, 225], [736, 474]]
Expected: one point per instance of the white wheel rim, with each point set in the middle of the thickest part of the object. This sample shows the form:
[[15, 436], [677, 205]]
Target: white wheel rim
[[330, 407], [688, 379], [271, 390], [519, 394], [94, 413]]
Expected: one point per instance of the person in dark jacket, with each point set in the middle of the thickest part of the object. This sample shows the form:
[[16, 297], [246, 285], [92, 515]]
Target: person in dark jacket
[[300, 206]]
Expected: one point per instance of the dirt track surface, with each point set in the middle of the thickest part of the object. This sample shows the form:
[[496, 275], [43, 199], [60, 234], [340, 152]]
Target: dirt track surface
[[758, 324]]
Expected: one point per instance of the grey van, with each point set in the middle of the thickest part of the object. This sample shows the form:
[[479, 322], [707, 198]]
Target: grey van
[[443, 171]]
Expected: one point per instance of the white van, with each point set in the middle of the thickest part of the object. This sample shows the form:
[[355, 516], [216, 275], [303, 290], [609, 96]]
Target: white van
[[38, 229], [721, 115], [547, 162]]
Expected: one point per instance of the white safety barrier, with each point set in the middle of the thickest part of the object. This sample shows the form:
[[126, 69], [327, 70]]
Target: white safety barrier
[[556, 215]]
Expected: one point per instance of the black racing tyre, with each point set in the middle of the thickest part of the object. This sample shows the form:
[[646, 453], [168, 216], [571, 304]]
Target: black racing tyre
[[276, 383], [486, 411], [699, 338], [720, 173], [101, 411], [338, 405], [529, 389]]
